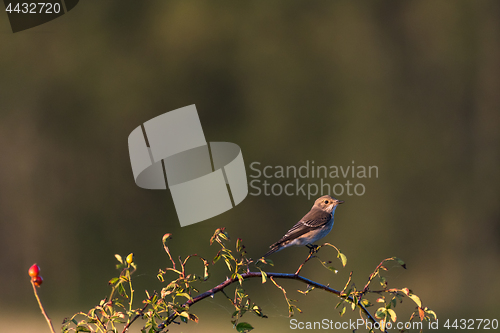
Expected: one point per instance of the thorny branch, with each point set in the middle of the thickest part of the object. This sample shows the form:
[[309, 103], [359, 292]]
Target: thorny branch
[[160, 312], [291, 276]]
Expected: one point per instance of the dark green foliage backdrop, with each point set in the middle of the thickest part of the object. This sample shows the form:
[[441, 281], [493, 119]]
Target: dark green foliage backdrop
[[411, 87]]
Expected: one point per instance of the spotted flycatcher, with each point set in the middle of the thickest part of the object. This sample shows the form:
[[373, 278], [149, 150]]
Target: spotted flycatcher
[[312, 227]]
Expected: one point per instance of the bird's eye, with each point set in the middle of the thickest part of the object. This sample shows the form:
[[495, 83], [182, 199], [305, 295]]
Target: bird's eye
[[326, 201]]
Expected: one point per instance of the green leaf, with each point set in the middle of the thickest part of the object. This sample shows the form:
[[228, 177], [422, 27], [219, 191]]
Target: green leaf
[[121, 290], [394, 301], [228, 265], [124, 278], [416, 299], [216, 258], [343, 258], [342, 311], [244, 327], [82, 329], [431, 313], [327, 266], [184, 295], [401, 262], [113, 280], [240, 278], [239, 245], [381, 312], [383, 283], [120, 266], [258, 311], [366, 303], [392, 313], [205, 274], [223, 235]]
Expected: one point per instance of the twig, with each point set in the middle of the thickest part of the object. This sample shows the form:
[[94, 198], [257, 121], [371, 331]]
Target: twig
[[372, 275], [131, 292], [49, 322], [290, 309], [165, 237], [307, 259], [348, 282], [139, 314], [291, 276]]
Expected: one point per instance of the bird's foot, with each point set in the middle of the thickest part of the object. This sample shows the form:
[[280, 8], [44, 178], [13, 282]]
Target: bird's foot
[[312, 248]]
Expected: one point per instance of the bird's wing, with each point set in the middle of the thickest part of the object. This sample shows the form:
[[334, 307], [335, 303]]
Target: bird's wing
[[315, 219]]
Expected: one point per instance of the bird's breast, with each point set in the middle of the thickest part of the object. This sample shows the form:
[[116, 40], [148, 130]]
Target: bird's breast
[[325, 230]]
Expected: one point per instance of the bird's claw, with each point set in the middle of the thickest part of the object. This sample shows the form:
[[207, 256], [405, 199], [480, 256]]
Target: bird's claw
[[312, 248]]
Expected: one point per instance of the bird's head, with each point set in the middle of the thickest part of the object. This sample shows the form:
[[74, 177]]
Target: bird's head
[[327, 203]]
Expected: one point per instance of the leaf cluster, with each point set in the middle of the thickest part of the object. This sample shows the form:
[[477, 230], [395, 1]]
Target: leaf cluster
[[111, 312], [174, 301]]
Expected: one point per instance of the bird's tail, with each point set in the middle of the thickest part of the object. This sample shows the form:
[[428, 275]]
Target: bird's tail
[[274, 248]]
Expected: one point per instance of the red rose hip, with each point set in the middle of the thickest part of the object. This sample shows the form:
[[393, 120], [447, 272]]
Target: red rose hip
[[34, 270], [37, 280]]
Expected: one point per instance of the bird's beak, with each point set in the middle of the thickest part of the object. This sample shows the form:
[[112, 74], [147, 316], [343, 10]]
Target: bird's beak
[[340, 202]]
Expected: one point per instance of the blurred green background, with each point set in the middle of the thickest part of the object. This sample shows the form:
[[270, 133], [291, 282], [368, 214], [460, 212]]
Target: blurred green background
[[411, 87]]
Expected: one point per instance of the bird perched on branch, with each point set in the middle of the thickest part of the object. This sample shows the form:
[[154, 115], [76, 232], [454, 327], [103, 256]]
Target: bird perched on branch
[[312, 227]]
